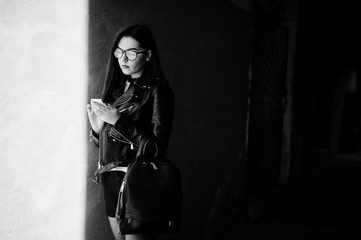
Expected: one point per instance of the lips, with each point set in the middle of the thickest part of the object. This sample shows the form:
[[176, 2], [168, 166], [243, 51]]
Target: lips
[[125, 66]]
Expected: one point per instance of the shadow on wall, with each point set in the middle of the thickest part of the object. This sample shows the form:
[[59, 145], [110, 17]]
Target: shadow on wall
[[204, 50]]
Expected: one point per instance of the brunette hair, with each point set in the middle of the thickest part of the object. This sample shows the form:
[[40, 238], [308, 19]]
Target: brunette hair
[[115, 76]]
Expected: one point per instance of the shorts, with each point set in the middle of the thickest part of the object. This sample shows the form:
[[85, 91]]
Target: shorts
[[112, 182]]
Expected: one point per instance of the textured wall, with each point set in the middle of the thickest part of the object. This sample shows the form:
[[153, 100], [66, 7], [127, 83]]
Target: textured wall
[[204, 49], [43, 81]]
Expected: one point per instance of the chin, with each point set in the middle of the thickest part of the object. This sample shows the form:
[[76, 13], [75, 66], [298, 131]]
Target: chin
[[126, 72]]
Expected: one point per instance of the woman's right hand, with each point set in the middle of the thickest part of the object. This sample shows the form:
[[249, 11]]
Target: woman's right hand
[[95, 121]]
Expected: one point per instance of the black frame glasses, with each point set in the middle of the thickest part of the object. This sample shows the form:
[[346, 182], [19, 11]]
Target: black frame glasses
[[131, 54]]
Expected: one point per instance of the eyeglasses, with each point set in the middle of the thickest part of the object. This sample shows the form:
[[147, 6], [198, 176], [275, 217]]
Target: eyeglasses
[[131, 54]]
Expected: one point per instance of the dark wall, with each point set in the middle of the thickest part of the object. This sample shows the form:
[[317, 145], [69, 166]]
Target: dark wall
[[334, 33], [303, 97], [204, 49], [327, 47]]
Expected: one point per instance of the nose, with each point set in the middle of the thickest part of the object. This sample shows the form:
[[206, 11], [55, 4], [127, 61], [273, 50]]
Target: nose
[[124, 58]]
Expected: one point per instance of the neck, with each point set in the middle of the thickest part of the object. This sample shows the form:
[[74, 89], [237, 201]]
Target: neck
[[133, 79]]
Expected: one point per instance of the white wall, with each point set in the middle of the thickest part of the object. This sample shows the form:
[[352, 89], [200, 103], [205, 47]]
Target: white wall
[[43, 86]]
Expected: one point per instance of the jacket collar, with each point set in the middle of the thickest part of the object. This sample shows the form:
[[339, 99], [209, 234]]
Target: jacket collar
[[144, 82], [125, 97]]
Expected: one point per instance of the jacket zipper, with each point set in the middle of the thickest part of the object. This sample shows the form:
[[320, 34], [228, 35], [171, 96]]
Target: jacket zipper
[[127, 108], [128, 141], [126, 100]]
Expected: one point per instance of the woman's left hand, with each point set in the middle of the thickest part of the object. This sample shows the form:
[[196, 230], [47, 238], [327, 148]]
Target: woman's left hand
[[107, 113]]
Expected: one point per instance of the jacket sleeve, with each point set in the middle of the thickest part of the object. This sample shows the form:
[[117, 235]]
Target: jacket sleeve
[[93, 137], [152, 137]]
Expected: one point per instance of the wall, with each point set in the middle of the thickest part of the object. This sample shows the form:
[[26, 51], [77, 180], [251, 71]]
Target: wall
[[327, 47], [344, 84], [204, 48], [43, 81]]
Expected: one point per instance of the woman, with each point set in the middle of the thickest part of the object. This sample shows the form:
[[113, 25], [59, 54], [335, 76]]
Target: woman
[[136, 109]]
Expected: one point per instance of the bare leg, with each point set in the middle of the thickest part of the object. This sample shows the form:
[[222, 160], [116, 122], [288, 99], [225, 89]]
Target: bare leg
[[115, 228], [140, 237], [116, 232]]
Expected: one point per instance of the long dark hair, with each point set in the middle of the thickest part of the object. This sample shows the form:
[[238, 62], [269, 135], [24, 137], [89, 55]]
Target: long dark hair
[[115, 76]]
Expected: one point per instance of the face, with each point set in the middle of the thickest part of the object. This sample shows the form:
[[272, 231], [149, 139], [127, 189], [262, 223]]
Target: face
[[133, 68]]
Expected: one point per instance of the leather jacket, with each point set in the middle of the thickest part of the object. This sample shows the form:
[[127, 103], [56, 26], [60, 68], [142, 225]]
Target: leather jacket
[[145, 124]]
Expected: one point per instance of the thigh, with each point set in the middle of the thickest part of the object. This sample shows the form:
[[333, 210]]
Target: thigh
[[140, 237], [111, 182], [115, 228]]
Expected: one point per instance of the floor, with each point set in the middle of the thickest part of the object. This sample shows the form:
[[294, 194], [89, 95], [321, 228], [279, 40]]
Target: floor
[[325, 205]]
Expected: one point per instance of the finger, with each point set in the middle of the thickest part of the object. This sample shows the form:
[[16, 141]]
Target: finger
[[96, 108], [97, 111], [88, 108]]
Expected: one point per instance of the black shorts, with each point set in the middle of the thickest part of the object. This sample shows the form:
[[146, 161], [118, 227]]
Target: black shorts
[[111, 183]]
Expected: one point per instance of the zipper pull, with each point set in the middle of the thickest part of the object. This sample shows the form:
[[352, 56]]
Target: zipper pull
[[131, 145], [122, 186], [154, 166]]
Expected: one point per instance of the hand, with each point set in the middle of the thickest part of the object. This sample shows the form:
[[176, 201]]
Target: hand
[[106, 113], [96, 122]]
